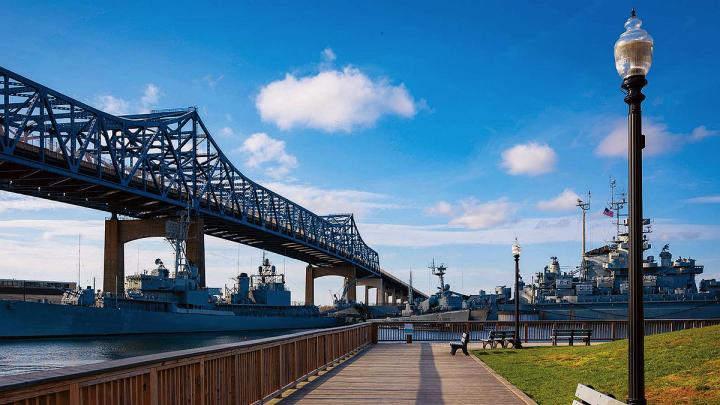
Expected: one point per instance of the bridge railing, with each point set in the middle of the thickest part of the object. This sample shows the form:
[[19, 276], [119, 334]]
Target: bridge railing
[[530, 331], [238, 373]]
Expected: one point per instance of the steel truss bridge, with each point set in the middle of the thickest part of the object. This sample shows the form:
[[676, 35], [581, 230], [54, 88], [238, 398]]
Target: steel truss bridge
[[154, 165]]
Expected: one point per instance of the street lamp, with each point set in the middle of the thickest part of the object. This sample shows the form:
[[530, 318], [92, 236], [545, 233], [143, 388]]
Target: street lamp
[[516, 254], [633, 57]]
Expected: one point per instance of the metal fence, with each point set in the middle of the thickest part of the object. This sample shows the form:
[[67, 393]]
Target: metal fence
[[530, 331]]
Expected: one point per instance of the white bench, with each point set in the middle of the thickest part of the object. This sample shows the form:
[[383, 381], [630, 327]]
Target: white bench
[[588, 396]]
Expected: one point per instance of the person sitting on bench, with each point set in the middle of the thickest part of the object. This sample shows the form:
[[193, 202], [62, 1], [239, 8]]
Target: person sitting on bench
[[462, 344]]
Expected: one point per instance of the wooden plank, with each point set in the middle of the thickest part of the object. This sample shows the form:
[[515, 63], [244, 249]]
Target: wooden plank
[[402, 373]]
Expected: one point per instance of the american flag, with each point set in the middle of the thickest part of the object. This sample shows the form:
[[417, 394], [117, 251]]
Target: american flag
[[608, 213]]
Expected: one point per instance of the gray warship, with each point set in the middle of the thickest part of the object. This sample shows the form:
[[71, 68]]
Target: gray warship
[[445, 304], [597, 289], [165, 301]]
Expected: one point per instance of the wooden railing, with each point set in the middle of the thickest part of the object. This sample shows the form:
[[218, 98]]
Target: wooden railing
[[529, 330], [238, 373]]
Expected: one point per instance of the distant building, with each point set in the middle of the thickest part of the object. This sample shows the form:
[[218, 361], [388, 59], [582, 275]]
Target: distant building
[[34, 290]]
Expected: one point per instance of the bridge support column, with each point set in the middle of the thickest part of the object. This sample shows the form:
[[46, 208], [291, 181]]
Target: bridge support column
[[373, 282], [114, 260], [120, 231], [309, 285], [351, 285], [195, 246], [346, 271], [380, 297]]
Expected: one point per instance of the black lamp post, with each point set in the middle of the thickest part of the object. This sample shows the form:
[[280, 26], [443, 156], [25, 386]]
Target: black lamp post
[[633, 57], [516, 255]]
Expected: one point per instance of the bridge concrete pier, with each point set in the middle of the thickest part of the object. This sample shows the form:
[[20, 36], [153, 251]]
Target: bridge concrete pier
[[120, 231], [379, 285], [344, 270]]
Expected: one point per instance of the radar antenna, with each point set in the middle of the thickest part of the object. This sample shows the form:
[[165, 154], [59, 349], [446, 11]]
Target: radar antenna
[[439, 271]]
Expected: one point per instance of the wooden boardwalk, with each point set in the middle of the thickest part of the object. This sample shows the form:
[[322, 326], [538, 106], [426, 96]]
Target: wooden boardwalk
[[418, 373]]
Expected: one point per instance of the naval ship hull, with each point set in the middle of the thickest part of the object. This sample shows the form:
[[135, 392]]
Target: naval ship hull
[[605, 311], [20, 319]]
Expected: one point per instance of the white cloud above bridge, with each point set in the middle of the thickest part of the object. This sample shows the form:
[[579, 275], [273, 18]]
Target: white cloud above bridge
[[332, 100], [470, 213], [118, 106], [270, 154]]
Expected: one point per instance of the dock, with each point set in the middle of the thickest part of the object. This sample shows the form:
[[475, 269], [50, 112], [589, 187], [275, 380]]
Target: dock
[[398, 373], [368, 362]]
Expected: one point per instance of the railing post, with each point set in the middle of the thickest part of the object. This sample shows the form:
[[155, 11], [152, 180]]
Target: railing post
[[374, 331], [612, 331], [153, 386], [526, 332], [201, 384], [75, 394]]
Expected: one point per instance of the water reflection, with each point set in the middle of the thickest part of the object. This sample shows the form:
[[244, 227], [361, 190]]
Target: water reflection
[[25, 356]]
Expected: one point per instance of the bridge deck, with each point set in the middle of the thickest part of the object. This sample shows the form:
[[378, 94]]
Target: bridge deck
[[421, 373]]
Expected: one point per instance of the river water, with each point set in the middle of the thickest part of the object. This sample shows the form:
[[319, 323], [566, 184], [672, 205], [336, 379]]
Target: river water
[[19, 356]]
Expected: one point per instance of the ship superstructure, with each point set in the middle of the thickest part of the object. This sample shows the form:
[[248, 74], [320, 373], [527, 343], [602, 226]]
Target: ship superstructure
[[598, 287], [444, 298], [164, 300]]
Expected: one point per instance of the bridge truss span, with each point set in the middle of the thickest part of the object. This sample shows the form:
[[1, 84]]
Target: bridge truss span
[[153, 165]]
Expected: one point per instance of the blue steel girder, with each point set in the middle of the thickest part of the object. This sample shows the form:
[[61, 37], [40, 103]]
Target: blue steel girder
[[166, 159]]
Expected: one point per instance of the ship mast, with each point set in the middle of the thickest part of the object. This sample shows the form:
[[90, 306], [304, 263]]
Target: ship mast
[[618, 205], [440, 272], [584, 207], [410, 293], [176, 234]]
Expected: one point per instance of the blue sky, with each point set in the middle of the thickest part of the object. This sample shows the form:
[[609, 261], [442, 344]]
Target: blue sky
[[447, 129]]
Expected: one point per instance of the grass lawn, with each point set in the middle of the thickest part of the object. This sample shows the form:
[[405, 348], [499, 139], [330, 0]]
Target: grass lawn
[[680, 367]]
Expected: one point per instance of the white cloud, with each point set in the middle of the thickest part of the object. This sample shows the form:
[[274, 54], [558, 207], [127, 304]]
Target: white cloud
[[263, 151], [226, 132], [530, 158], [476, 215], [118, 106], [708, 199], [700, 133], [441, 208], [17, 202], [332, 100], [325, 201], [151, 96], [528, 230], [658, 138], [567, 200], [58, 229], [328, 55], [212, 81], [112, 105], [472, 214]]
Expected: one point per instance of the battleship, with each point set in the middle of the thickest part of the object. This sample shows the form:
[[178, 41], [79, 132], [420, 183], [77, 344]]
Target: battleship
[[597, 289], [445, 304], [165, 301]]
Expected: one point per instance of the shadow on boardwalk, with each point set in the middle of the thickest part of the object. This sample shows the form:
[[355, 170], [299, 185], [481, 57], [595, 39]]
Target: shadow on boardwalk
[[418, 373]]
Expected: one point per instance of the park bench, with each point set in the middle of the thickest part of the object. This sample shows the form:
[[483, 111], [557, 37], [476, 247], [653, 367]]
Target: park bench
[[570, 335], [588, 396], [462, 344], [503, 337]]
